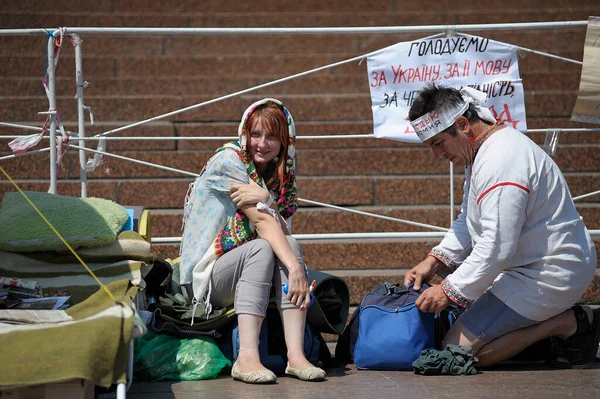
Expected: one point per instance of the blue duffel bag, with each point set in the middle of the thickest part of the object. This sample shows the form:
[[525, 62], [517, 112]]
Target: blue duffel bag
[[388, 332]]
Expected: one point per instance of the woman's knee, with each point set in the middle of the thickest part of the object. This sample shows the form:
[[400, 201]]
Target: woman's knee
[[258, 263], [261, 248]]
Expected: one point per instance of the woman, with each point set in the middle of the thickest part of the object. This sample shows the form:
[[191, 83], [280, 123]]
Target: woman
[[236, 240]]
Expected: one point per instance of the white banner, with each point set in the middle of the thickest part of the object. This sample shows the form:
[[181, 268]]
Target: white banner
[[397, 74]]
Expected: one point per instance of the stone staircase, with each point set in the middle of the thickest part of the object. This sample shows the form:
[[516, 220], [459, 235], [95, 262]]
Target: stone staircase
[[134, 77]]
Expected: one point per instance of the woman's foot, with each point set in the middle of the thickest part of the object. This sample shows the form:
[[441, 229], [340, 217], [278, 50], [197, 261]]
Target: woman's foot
[[311, 373], [298, 361], [300, 367], [263, 376], [248, 368]]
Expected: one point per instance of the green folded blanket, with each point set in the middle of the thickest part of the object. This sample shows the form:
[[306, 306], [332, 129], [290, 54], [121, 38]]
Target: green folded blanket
[[70, 278], [88, 222], [93, 347], [128, 245]]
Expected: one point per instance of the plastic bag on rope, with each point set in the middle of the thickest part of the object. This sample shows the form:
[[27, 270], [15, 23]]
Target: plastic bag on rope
[[160, 357], [93, 163], [21, 144]]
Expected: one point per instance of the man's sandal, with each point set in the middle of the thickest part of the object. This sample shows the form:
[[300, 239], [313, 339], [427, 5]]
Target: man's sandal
[[579, 350]]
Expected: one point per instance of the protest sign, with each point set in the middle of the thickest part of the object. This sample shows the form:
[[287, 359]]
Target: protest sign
[[587, 106], [397, 74]]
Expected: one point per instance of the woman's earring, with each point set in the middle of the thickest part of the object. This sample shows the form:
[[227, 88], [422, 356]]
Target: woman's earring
[[276, 159]]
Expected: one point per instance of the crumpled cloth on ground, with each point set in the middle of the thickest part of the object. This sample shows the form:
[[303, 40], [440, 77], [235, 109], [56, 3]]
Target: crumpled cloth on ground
[[454, 360]]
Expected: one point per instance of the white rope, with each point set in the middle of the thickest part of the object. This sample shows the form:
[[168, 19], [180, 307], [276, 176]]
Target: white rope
[[586, 195], [248, 90], [135, 160], [299, 199], [429, 226], [225, 97], [565, 130], [542, 53]]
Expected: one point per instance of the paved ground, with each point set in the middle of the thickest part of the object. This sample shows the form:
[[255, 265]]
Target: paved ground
[[508, 381]]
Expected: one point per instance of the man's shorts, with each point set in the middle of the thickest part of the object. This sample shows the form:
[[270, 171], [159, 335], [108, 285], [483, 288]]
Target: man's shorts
[[489, 318]]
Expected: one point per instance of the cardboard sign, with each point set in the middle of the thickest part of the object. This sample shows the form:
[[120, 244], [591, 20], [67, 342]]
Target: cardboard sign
[[397, 74], [587, 107]]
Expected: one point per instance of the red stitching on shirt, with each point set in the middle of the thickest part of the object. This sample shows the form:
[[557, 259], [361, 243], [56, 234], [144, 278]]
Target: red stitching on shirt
[[506, 183]]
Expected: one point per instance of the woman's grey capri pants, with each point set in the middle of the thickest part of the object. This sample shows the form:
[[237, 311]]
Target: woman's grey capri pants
[[243, 276]]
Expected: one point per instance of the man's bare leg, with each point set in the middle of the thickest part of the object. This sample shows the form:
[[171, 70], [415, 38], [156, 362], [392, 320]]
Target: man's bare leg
[[508, 345]]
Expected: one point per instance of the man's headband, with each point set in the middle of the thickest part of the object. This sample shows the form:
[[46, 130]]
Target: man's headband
[[437, 121]]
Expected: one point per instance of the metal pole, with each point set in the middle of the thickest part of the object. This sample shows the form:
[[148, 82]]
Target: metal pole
[[24, 154], [408, 236], [302, 31], [451, 193], [52, 112], [80, 112], [19, 126]]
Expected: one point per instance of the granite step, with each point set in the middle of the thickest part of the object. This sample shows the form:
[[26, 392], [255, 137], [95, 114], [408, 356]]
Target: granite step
[[319, 83], [230, 65], [117, 46], [167, 223], [351, 257], [315, 162], [303, 129], [342, 191], [305, 107], [289, 13]]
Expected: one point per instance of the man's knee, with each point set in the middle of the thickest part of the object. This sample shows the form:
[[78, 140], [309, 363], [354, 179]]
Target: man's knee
[[459, 335]]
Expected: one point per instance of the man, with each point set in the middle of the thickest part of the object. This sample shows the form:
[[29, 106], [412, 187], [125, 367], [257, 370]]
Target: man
[[519, 255]]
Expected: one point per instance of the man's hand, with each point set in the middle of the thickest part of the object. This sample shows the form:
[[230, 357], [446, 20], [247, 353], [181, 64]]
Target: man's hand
[[248, 194], [432, 300], [423, 272]]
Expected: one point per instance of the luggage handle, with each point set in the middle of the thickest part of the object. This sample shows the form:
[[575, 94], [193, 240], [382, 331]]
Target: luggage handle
[[393, 289]]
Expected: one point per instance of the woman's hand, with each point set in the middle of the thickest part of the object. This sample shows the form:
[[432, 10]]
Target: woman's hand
[[248, 194], [298, 293]]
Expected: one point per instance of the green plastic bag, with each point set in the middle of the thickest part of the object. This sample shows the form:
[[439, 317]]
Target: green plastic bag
[[160, 357]]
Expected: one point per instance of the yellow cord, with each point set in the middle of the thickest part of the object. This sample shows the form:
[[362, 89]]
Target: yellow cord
[[59, 235]]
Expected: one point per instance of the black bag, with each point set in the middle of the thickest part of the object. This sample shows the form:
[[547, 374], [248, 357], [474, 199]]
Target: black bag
[[390, 296]]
